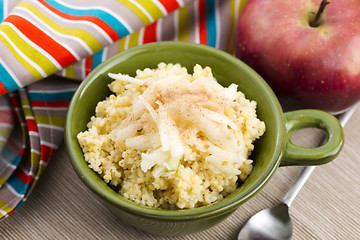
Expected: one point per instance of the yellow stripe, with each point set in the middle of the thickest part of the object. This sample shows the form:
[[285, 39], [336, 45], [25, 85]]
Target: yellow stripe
[[5, 207], [33, 71], [27, 112], [37, 57], [2, 181], [5, 133], [70, 71], [41, 60], [134, 39], [35, 180], [2, 144], [26, 103], [183, 22], [35, 158], [86, 37], [42, 167], [122, 41], [136, 10], [151, 8], [242, 5], [235, 8]]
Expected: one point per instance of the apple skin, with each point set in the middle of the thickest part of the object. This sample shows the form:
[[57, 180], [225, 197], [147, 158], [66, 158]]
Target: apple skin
[[307, 67]]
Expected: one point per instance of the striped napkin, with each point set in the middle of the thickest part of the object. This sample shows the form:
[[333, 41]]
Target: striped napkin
[[47, 44]]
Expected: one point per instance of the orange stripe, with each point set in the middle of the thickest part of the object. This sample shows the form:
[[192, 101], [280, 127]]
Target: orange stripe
[[103, 25], [46, 153], [3, 90], [31, 124], [202, 22], [61, 54], [11, 211], [19, 173], [170, 5], [150, 33], [37, 103], [88, 64], [15, 101]]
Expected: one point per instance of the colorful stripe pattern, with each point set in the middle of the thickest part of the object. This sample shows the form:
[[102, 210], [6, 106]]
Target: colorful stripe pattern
[[12, 189], [212, 23], [70, 38], [45, 36], [40, 110]]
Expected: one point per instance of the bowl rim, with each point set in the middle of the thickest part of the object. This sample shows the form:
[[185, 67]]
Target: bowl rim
[[230, 202]]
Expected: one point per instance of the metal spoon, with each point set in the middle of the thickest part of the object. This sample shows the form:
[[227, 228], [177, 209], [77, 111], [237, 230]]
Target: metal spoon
[[275, 223]]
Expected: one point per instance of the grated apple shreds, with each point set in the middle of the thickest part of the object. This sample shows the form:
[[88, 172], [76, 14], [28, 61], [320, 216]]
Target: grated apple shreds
[[168, 138], [202, 115]]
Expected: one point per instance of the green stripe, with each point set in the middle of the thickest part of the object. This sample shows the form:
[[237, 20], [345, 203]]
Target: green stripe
[[2, 181], [35, 161], [5, 207], [50, 120], [35, 158], [27, 112], [4, 133]]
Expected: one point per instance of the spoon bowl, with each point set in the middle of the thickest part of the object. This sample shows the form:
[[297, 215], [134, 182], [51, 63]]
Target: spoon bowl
[[270, 224]]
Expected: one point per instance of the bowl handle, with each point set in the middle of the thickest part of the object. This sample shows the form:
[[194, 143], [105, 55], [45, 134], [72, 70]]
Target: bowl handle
[[307, 118]]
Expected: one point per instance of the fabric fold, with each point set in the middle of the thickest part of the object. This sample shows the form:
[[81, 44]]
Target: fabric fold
[[46, 36], [40, 112], [214, 27]]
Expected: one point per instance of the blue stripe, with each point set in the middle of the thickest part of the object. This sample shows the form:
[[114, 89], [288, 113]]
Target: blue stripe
[[105, 16], [2, 9], [19, 204], [10, 156], [16, 161], [51, 96], [211, 22], [97, 58], [17, 185], [7, 80]]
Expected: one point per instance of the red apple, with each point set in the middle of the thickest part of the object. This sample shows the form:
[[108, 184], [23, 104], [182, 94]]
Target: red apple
[[309, 62]]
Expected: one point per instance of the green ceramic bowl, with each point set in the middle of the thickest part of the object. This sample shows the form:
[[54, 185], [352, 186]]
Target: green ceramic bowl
[[271, 151]]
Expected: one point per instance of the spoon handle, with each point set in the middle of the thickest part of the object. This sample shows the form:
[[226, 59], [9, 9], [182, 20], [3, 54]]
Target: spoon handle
[[306, 172]]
